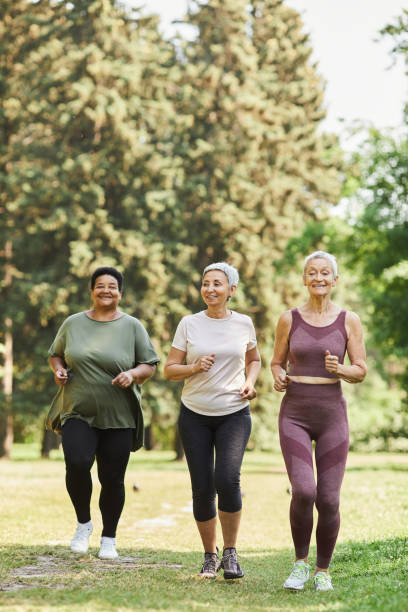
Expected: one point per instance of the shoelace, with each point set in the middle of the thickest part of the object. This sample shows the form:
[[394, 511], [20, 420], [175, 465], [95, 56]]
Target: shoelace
[[210, 564], [321, 579], [229, 557], [299, 571]]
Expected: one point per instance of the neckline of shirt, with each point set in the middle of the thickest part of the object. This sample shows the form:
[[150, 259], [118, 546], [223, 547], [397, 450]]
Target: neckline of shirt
[[319, 326], [112, 321], [228, 318]]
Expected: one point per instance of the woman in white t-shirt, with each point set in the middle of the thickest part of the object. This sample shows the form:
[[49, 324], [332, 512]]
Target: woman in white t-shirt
[[215, 353]]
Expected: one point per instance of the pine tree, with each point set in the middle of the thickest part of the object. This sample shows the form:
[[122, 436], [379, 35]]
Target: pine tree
[[19, 37], [255, 167], [93, 156]]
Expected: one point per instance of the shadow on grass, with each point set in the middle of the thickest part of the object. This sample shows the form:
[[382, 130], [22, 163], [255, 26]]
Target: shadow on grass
[[366, 576]]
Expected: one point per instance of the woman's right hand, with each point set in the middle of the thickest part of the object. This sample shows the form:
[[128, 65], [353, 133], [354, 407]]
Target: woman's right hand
[[60, 376], [203, 364], [281, 381]]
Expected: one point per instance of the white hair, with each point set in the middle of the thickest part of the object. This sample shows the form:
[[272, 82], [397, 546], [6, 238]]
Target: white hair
[[321, 255], [230, 272]]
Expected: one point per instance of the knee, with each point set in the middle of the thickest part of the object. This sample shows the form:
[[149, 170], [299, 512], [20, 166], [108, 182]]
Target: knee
[[78, 463], [203, 495], [328, 506], [227, 483], [203, 504], [113, 481], [229, 494], [303, 496]]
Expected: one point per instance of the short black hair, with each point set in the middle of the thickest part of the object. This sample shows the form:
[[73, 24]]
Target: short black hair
[[107, 270]]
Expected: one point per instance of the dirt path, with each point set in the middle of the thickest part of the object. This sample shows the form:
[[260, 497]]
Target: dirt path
[[52, 565]]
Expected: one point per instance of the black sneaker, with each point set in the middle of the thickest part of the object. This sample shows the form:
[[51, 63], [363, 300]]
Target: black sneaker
[[230, 565], [211, 565]]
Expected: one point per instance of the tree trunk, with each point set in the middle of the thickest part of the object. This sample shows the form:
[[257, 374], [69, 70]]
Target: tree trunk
[[6, 414], [148, 438]]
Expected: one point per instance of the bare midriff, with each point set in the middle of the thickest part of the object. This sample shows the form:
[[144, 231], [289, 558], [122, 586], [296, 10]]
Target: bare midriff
[[314, 380]]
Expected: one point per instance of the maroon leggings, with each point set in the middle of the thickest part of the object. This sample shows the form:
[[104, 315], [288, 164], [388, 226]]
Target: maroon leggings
[[314, 413]]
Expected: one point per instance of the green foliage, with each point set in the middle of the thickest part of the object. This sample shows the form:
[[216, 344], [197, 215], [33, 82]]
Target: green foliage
[[93, 104], [255, 169], [378, 246], [157, 157]]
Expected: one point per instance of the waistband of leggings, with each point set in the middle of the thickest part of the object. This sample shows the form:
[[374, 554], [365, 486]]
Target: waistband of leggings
[[243, 411], [297, 390]]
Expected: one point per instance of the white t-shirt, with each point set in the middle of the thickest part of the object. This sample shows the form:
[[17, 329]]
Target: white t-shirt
[[215, 392]]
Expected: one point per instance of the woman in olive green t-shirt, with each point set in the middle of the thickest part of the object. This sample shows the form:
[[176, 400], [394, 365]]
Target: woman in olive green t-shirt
[[100, 358]]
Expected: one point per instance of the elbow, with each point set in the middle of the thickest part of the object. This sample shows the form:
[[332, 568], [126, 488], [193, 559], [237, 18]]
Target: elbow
[[362, 372]]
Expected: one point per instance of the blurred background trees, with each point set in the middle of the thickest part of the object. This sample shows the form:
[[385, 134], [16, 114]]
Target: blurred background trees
[[120, 147]]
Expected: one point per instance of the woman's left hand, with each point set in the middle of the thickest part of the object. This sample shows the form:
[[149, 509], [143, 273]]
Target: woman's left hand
[[247, 391], [124, 380], [331, 362]]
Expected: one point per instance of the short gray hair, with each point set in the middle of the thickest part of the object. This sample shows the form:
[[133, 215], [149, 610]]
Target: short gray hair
[[321, 255], [230, 272]]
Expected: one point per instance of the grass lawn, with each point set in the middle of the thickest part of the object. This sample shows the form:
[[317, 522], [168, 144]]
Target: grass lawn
[[160, 552]]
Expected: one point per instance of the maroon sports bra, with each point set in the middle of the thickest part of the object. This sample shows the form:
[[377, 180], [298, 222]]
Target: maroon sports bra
[[308, 343]]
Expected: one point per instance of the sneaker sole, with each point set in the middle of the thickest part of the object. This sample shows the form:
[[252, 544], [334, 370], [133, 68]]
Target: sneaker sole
[[294, 588], [233, 576], [207, 576], [79, 552], [323, 590]]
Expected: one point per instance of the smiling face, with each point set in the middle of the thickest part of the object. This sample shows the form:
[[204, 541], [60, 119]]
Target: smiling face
[[215, 289], [105, 293], [319, 277]]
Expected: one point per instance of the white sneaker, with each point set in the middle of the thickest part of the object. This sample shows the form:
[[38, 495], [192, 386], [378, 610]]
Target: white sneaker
[[298, 576], [80, 541], [322, 582], [108, 548]]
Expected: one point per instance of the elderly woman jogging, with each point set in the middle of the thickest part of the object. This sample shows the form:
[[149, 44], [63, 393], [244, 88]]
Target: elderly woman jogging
[[215, 353], [100, 359], [314, 339]]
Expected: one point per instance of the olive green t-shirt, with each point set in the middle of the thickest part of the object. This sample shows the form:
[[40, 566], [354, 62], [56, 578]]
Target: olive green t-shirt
[[95, 352]]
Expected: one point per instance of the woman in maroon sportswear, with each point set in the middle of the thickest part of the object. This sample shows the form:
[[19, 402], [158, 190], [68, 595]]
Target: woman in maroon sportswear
[[313, 340]]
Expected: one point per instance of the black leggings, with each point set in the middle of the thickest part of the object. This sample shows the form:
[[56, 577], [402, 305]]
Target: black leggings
[[228, 435], [111, 448]]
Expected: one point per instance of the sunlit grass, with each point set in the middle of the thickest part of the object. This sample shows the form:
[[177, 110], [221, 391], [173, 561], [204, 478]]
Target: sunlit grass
[[158, 537]]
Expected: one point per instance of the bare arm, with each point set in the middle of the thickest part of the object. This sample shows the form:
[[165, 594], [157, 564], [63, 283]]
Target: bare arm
[[58, 366], [280, 353], [252, 368], [138, 375], [357, 370], [175, 368]]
